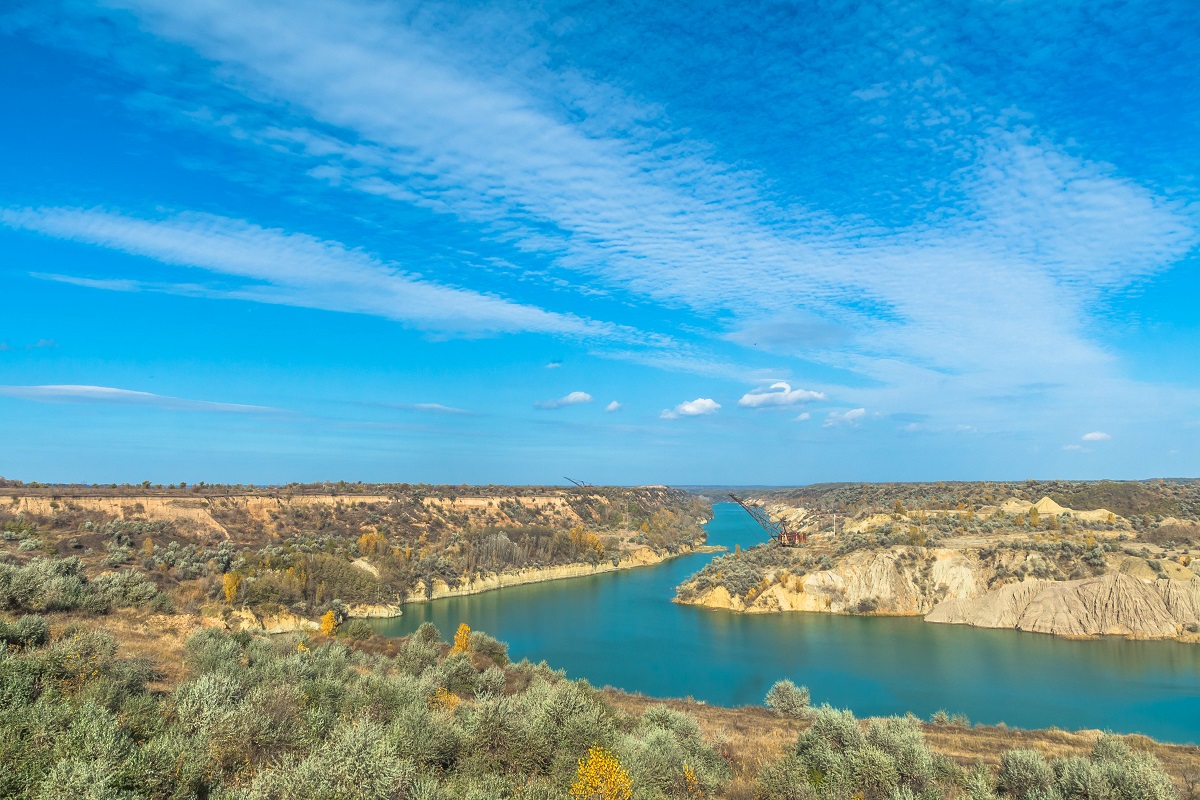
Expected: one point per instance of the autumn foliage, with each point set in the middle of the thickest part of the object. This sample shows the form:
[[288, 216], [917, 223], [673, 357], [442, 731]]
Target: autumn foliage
[[462, 639], [444, 700], [329, 623], [601, 777], [230, 583]]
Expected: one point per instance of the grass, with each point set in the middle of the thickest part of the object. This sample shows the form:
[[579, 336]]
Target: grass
[[757, 736]]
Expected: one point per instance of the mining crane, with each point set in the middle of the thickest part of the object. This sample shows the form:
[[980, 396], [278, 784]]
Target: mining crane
[[580, 484], [780, 531]]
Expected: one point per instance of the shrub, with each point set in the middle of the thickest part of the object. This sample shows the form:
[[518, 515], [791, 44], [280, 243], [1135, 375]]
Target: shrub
[[29, 631], [601, 777], [787, 699], [359, 630], [485, 645], [1025, 774]]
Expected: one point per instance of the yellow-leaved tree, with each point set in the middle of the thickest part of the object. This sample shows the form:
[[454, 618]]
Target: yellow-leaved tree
[[329, 623], [601, 777], [230, 583], [462, 639]]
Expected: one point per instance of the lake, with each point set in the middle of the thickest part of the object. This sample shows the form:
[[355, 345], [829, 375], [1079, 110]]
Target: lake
[[621, 629]]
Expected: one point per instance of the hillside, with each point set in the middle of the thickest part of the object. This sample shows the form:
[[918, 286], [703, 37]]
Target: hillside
[[1001, 555], [288, 554], [136, 704]]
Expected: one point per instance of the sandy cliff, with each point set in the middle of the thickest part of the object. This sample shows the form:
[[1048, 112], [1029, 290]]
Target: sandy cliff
[[1115, 603], [952, 586], [908, 580]]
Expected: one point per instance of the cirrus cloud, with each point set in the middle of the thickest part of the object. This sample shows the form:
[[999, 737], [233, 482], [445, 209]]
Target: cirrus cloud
[[1095, 436], [72, 393]]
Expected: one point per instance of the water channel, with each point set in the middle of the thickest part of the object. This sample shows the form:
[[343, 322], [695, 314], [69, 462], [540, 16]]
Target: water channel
[[621, 629]]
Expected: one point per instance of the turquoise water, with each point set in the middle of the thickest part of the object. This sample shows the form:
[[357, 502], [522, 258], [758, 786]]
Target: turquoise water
[[621, 629]]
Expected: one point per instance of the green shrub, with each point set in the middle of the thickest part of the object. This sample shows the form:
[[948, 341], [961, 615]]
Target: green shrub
[[485, 645], [359, 630], [1025, 774], [787, 699]]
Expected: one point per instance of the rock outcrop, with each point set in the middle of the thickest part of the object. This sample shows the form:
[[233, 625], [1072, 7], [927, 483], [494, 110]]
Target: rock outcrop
[[949, 585], [908, 581], [1116, 603]]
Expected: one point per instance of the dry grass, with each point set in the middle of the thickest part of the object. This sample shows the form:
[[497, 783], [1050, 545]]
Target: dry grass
[[757, 736], [155, 638]]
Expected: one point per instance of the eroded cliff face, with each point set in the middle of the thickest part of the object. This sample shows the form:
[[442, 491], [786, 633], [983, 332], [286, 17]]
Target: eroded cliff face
[[904, 580], [952, 586], [1115, 603]]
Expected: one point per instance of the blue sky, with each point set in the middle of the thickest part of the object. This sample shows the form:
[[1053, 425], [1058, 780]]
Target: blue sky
[[625, 242]]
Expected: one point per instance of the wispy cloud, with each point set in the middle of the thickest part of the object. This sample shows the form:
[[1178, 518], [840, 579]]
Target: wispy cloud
[[985, 272], [852, 417], [103, 394], [613, 406], [572, 399], [701, 406], [428, 408], [780, 393], [1036, 233], [1095, 436], [292, 268], [554, 365]]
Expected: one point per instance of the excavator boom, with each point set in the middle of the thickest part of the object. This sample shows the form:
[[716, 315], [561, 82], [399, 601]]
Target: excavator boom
[[778, 530]]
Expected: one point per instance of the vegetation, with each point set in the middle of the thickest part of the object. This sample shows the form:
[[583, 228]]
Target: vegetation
[[45, 584], [836, 757], [309, 549], [788, 699], [281, 718], [1178, 498]]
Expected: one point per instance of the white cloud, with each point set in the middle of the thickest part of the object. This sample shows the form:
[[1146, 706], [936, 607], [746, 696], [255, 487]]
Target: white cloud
[[395, 106], [778, 394], [1075, 448], [293, 269], [691, 408], [554, 365], [572, 399], [70, 393], [613, 406], [851, 417], [802, 416], [1095, 436]]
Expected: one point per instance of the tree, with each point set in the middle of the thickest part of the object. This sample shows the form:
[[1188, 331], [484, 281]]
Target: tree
[[329, 623], [462, 639], [601, 777], [230, 583]]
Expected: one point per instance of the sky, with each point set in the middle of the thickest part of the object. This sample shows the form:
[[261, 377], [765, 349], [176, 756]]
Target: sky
[[625, 242]]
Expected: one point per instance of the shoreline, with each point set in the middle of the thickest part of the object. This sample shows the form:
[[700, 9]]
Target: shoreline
[[643, 557], [708, 603]]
